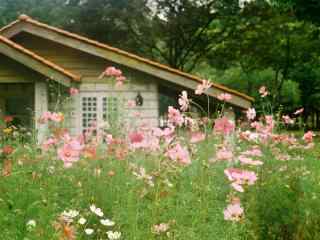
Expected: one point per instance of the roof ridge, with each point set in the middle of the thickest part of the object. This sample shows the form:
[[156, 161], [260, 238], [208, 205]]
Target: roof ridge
[[40, 58], [9, 25], [26, 18]]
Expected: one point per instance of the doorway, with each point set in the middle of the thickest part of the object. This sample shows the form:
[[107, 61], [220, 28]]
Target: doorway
[[17, 104]]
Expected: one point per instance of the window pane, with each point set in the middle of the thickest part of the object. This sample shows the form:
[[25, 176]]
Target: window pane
[[89, 111]]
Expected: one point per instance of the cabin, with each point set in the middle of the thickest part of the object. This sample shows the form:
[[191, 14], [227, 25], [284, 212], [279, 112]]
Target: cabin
[[39, 63]]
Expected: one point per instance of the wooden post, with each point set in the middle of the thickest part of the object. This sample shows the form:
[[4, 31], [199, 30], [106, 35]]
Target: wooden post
[[41, 106]]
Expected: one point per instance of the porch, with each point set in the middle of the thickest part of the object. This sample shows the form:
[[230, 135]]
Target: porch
[[23, 103]]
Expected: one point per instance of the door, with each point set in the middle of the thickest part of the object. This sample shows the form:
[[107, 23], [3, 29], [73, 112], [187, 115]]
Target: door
[[98, 109]]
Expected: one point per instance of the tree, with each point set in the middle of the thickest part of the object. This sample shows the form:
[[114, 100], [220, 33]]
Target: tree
[[103, 20], [307, 75], [303, 9], [51, 11], [178, 32], [108, 21], [266, 38]]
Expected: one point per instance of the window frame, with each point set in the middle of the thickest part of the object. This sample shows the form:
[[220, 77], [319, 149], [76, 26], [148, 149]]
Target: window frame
[[101, 110]]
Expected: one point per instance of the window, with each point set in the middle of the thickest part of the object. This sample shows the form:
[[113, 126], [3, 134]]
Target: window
[[98, 108], [110, 109], [20, 108], [89, 111]]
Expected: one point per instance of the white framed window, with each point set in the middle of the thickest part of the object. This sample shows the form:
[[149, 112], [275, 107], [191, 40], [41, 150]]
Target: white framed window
[[89, 111], [98, 108], [110, 109]]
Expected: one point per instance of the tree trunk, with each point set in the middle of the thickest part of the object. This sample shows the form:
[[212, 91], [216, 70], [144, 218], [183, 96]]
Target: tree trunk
[[318, 120]]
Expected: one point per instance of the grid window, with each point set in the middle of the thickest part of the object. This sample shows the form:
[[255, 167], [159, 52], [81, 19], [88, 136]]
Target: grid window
[[89, 111], [110, 111]]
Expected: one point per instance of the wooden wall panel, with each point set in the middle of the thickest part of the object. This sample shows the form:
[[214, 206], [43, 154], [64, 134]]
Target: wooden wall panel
[[90, 67], [13, 72]]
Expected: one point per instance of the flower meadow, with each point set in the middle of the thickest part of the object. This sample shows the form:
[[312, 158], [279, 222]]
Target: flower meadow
[[196, 178]]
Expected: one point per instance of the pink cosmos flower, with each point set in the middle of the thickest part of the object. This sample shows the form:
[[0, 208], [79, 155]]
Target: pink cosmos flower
[[257, 125], [168, 134], [263, 91], [251, 113], [224, 154], [136, 137], [175, 117], [90, 151], [160, 228], [197, 137], [73, 91], [45, 117], [255, 151], [120, 80], [47, 144], [270, 123], [49, 116], [287, 120], [7, 150], [145, 138], [8, 119], [66, 137], [240, 177], [237, 186], [112, 72], [70, 152], [57, 117], [249, 161], [179, 154], [224, 126], [158, 132], [131, 103], [299, 111], [249, 136], [201, 88], [308, 137], [184, 101], [225, 97], [233, 212], [109, 138]]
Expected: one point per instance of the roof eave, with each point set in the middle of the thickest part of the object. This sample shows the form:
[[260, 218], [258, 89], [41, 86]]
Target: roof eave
[[35, 62]]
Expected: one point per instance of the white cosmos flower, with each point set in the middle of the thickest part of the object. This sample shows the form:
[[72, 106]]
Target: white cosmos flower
[[31, 224], [88, 231], [70, 213], [113, 235], [82, 221], [107, 222], [96, 210], [251, 113], [93, 208]]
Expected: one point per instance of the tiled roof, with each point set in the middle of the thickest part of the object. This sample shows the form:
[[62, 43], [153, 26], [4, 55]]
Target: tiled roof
[[38, 58], [25, 18]]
